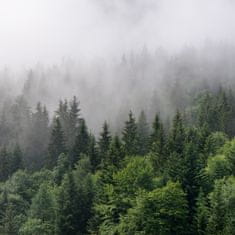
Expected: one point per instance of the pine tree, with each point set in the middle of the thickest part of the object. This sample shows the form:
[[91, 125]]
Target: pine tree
[[64, 117], [57, 144], [16, 159], [74, 117], [202, 214], [142, 134], [62, 167], [104, 142], [130, 136], [81, 143], [115, 154], [158, 144], [4, 164], [67, 207], [93, 154], [38, 139], [43, 206], [177, 135], [223, 111]]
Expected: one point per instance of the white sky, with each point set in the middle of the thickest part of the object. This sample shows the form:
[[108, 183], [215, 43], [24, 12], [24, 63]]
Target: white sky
[[46, 30]]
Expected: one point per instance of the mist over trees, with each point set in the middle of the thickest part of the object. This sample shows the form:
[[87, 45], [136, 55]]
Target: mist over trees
[[160, 162]]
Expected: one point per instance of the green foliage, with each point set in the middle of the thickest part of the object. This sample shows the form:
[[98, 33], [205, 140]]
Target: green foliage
[[130, 138], [81, 143], [214, 142], [115, 154], [177, 181], [218, 167], [36, 227], [142, 134], [177, 135], [222, 210], [57, 144], [161, 211], [158, 145], [119, 194], [104, 142]]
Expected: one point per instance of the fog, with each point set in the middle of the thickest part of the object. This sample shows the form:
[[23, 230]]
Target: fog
[[115, 55], [46, 31]]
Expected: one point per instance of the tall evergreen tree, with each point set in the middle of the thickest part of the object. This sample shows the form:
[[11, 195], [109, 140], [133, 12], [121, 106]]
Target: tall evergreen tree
[[67, 207], [158, 143], [38, 138], [115, 153], [4, 164], [74, 117], [177, 135], [104, 142], [16, 159], [130, 138], [142, 134], [81, 143], [56, 145], [93, 154]]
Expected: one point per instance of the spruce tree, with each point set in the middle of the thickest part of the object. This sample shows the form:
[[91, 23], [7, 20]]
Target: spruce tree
[[81, 143], [177, 135], [74, 117], [57, 144], [158, 144], [67, 207], [130, 138], [16, 159], [104, 142], [142, 134], [4, 164], [93, 154], [115, 154]]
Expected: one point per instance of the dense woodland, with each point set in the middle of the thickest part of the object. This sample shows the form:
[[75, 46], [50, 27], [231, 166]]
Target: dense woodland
[[168, 168]]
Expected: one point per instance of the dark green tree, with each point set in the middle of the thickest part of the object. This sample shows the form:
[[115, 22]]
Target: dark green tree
[[177, 135], [157, 146], [130, 138], [67, 207], [93, 154], [57, 144], [81, 143], [74, 117], [115, 153], [104, 142], [142, 134]]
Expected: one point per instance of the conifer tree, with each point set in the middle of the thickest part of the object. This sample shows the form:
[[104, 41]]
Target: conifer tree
[[202, 213], [115, 153], [56, 145], [104, 142], [81, 143], [4, 164], [16, 159], [177, 135], [93, 154], [142, 134], [158, 143], [130, 136], [74, 117], [38, 139], [62, 167], [67, 207]]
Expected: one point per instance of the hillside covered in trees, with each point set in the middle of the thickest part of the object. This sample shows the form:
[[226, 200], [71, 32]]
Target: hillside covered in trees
[[168, 176]]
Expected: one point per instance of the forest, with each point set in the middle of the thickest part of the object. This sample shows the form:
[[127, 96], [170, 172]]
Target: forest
[[117, 117], [164, 168]]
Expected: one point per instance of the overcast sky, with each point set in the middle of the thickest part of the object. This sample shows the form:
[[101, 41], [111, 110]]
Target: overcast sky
[[46, 30]]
